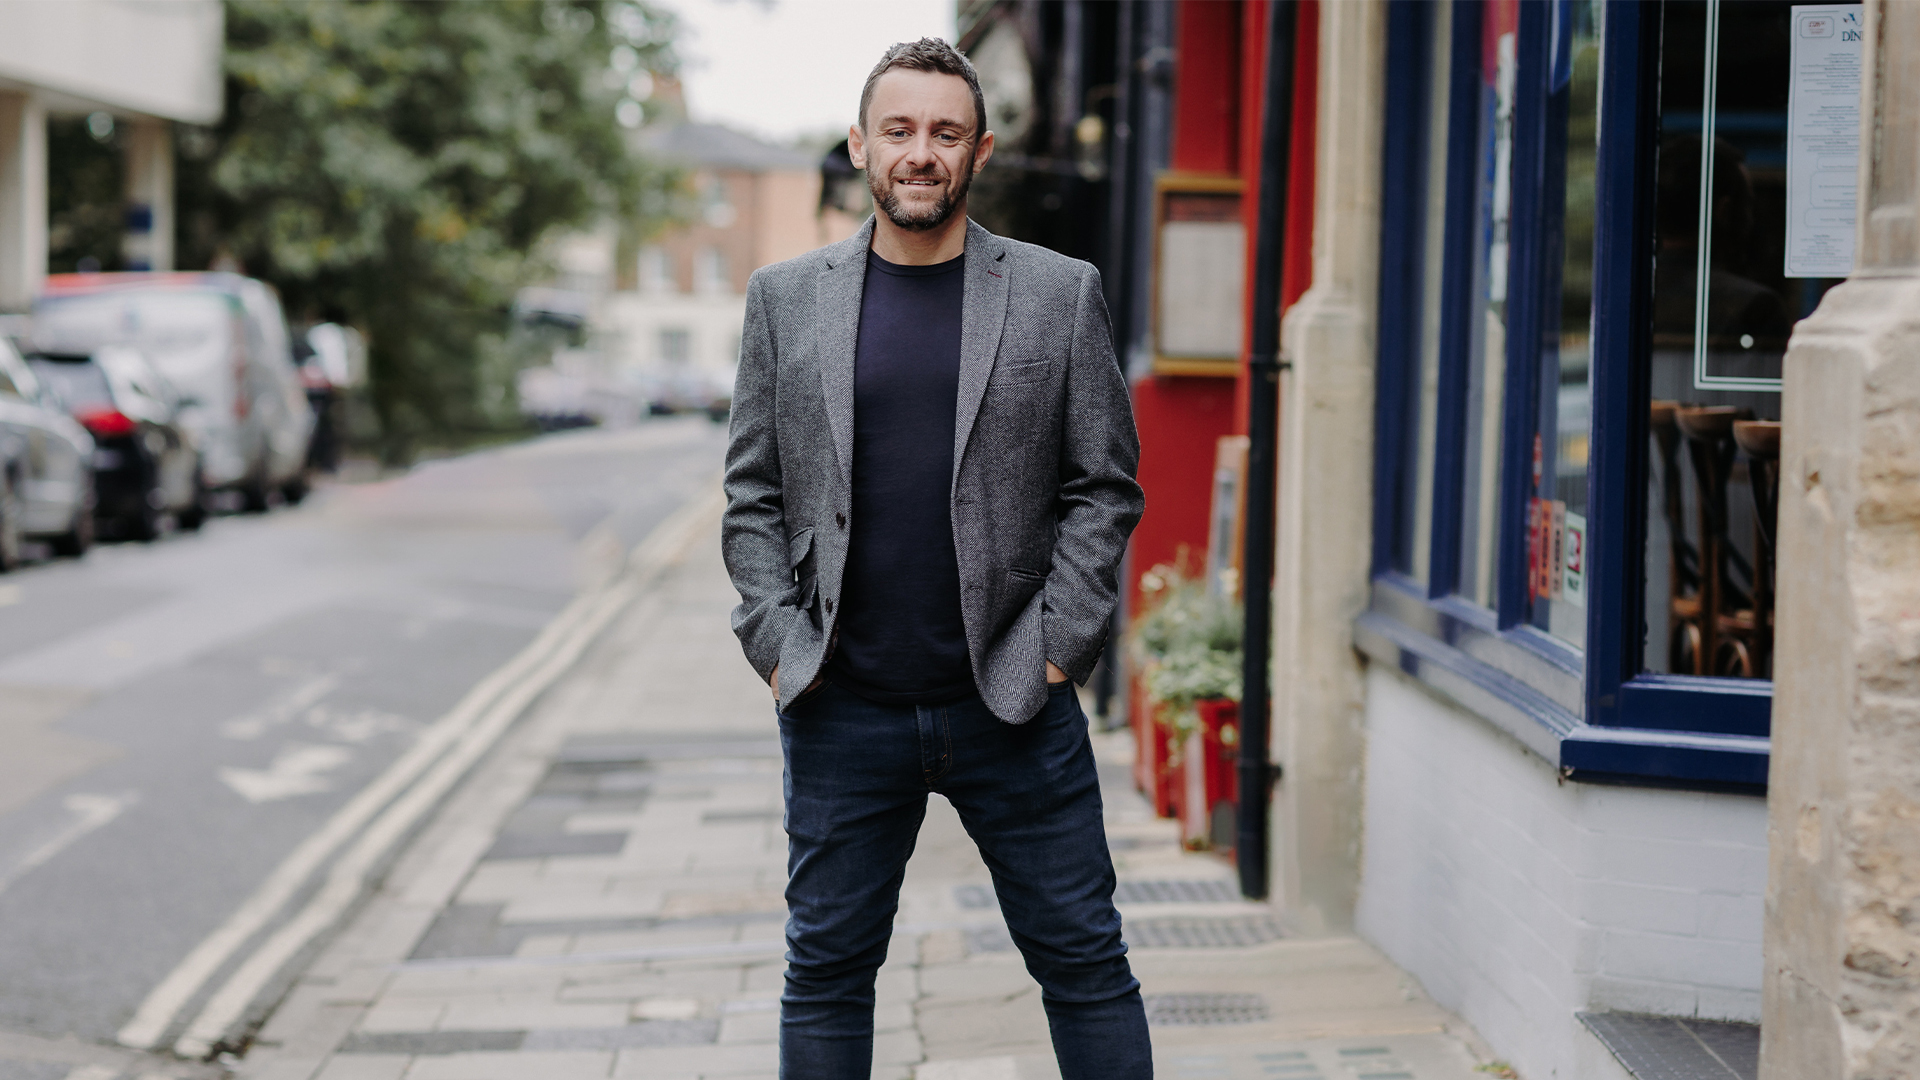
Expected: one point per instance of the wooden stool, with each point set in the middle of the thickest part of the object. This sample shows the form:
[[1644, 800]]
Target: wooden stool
[[1684, 632], [1727, 622], [1760, 440]]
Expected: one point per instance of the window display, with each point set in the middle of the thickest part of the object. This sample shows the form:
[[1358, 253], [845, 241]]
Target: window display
[[1725, 301]]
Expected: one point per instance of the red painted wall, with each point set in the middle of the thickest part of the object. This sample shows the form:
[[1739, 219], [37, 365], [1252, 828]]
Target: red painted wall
[[1206, 87], [1253, 111], [1181, 417], [1297, 274]]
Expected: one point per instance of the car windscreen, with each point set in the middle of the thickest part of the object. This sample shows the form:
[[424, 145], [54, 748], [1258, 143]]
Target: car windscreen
[[79, 383], [185, 333]]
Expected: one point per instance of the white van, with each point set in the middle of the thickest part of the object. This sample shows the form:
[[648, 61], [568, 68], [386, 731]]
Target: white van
[[222, 341]]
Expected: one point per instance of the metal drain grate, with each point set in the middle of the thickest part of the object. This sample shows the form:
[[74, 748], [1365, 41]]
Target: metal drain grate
[[1202, 933], [1196, 1010], [1175, 892], [1674, 1048]]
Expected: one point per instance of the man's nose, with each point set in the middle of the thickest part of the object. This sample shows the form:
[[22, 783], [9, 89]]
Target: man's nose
[[920, 152]]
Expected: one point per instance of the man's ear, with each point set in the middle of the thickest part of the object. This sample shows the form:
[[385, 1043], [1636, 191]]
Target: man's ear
[[983, 151], [856, 147]]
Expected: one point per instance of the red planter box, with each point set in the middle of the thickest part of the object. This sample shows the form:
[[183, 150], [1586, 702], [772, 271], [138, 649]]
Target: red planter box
[[1211, 778], [1153, 773]]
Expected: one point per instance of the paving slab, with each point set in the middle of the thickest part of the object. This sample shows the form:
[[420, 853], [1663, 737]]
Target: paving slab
[[603, 898]]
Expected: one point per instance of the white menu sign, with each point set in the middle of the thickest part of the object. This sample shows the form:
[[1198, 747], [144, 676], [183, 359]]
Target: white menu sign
[[1823, 140]]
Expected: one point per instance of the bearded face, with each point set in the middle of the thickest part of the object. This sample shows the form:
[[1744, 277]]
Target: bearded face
[[919, 198], [920, 147]]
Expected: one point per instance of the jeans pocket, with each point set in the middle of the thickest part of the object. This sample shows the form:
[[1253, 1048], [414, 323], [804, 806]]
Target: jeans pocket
[[789, 715]]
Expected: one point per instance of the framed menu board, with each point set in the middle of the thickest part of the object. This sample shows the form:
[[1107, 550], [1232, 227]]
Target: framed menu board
[[1199, 275]]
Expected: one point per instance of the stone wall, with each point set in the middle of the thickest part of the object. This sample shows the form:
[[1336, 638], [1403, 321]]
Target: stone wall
[[1842, 996]]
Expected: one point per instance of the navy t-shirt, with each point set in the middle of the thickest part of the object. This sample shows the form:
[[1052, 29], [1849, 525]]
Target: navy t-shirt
[[901, 636]]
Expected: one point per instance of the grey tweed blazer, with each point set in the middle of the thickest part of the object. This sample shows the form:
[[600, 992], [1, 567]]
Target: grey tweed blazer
[[1043, 494]]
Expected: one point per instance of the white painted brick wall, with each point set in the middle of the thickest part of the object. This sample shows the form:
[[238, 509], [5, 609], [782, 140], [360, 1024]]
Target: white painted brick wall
[[1518, 899]]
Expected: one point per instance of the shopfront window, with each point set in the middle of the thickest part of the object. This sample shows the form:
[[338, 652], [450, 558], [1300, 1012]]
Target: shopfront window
[[1728, 288], [1419, 511], [1413, 283], [1557, 513], [1580, 390], [1486, 353]]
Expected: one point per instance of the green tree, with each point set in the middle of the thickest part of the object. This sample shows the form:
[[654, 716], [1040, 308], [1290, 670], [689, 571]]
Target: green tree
[[397, 165]]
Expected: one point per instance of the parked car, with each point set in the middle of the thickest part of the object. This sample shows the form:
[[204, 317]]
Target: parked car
[[681, 389], [145, 463], [222, 341], [46, 475]]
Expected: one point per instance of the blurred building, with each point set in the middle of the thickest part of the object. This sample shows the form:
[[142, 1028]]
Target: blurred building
[[678, 318], [140, 67]]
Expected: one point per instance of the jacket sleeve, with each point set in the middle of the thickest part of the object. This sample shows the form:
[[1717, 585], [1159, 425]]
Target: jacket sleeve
[[1099, 501], [753, 534]]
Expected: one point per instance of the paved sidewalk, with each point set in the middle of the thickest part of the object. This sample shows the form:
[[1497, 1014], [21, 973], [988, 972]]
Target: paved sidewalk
[[603, 899]]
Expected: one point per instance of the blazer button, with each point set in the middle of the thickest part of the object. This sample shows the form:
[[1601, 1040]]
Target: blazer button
[[840, 520], [829, 606]]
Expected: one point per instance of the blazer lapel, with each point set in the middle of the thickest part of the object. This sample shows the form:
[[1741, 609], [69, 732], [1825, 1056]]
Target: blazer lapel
[[836, 314], [983, 314]]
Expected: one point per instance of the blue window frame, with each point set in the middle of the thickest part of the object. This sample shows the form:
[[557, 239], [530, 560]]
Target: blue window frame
[[1570, 376]]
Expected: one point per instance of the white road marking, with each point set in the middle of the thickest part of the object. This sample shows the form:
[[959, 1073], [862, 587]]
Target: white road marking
[[281, 709], [157, 1011], [460, 736], [348, 875], [90, 813], [296, 770], [93, 1072], [9, 594], [357, 726]]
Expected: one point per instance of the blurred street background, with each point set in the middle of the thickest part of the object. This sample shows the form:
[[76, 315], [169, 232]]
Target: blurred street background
[[180, 716], [1509, 378], [365, 682]]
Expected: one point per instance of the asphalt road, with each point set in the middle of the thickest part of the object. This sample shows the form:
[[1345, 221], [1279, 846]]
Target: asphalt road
[[175, 718]]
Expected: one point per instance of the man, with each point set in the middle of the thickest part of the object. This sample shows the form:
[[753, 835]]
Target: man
[[930, 484]]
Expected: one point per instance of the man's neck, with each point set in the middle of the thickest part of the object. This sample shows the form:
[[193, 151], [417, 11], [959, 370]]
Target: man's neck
[[909, 247]]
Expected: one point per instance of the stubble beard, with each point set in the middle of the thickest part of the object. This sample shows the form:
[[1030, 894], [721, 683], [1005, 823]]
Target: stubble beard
[[886, 197]]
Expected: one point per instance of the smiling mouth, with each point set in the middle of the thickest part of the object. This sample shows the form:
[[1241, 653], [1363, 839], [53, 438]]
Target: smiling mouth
[[920, 181]]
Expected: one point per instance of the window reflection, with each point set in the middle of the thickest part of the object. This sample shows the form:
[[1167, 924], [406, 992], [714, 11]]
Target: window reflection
[[1557, 526], [1486, 357], [1723, 309]]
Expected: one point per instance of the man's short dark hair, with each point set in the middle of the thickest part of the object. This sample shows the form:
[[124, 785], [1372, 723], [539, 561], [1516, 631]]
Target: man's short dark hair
[[928, 54]]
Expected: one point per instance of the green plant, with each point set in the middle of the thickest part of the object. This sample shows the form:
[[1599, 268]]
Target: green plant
[[404, 167], [1187, 644]]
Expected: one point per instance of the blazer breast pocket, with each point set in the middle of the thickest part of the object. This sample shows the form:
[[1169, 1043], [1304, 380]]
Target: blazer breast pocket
[[1024, 373]]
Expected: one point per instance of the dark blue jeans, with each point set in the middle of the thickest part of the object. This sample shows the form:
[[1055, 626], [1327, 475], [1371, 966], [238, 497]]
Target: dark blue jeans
[[857, 778]]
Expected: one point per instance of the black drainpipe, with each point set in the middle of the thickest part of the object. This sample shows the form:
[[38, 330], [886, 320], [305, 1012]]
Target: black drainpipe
[[1257, 776]]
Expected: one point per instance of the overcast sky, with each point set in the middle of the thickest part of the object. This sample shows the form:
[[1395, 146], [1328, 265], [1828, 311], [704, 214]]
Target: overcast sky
[[786, 68]]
